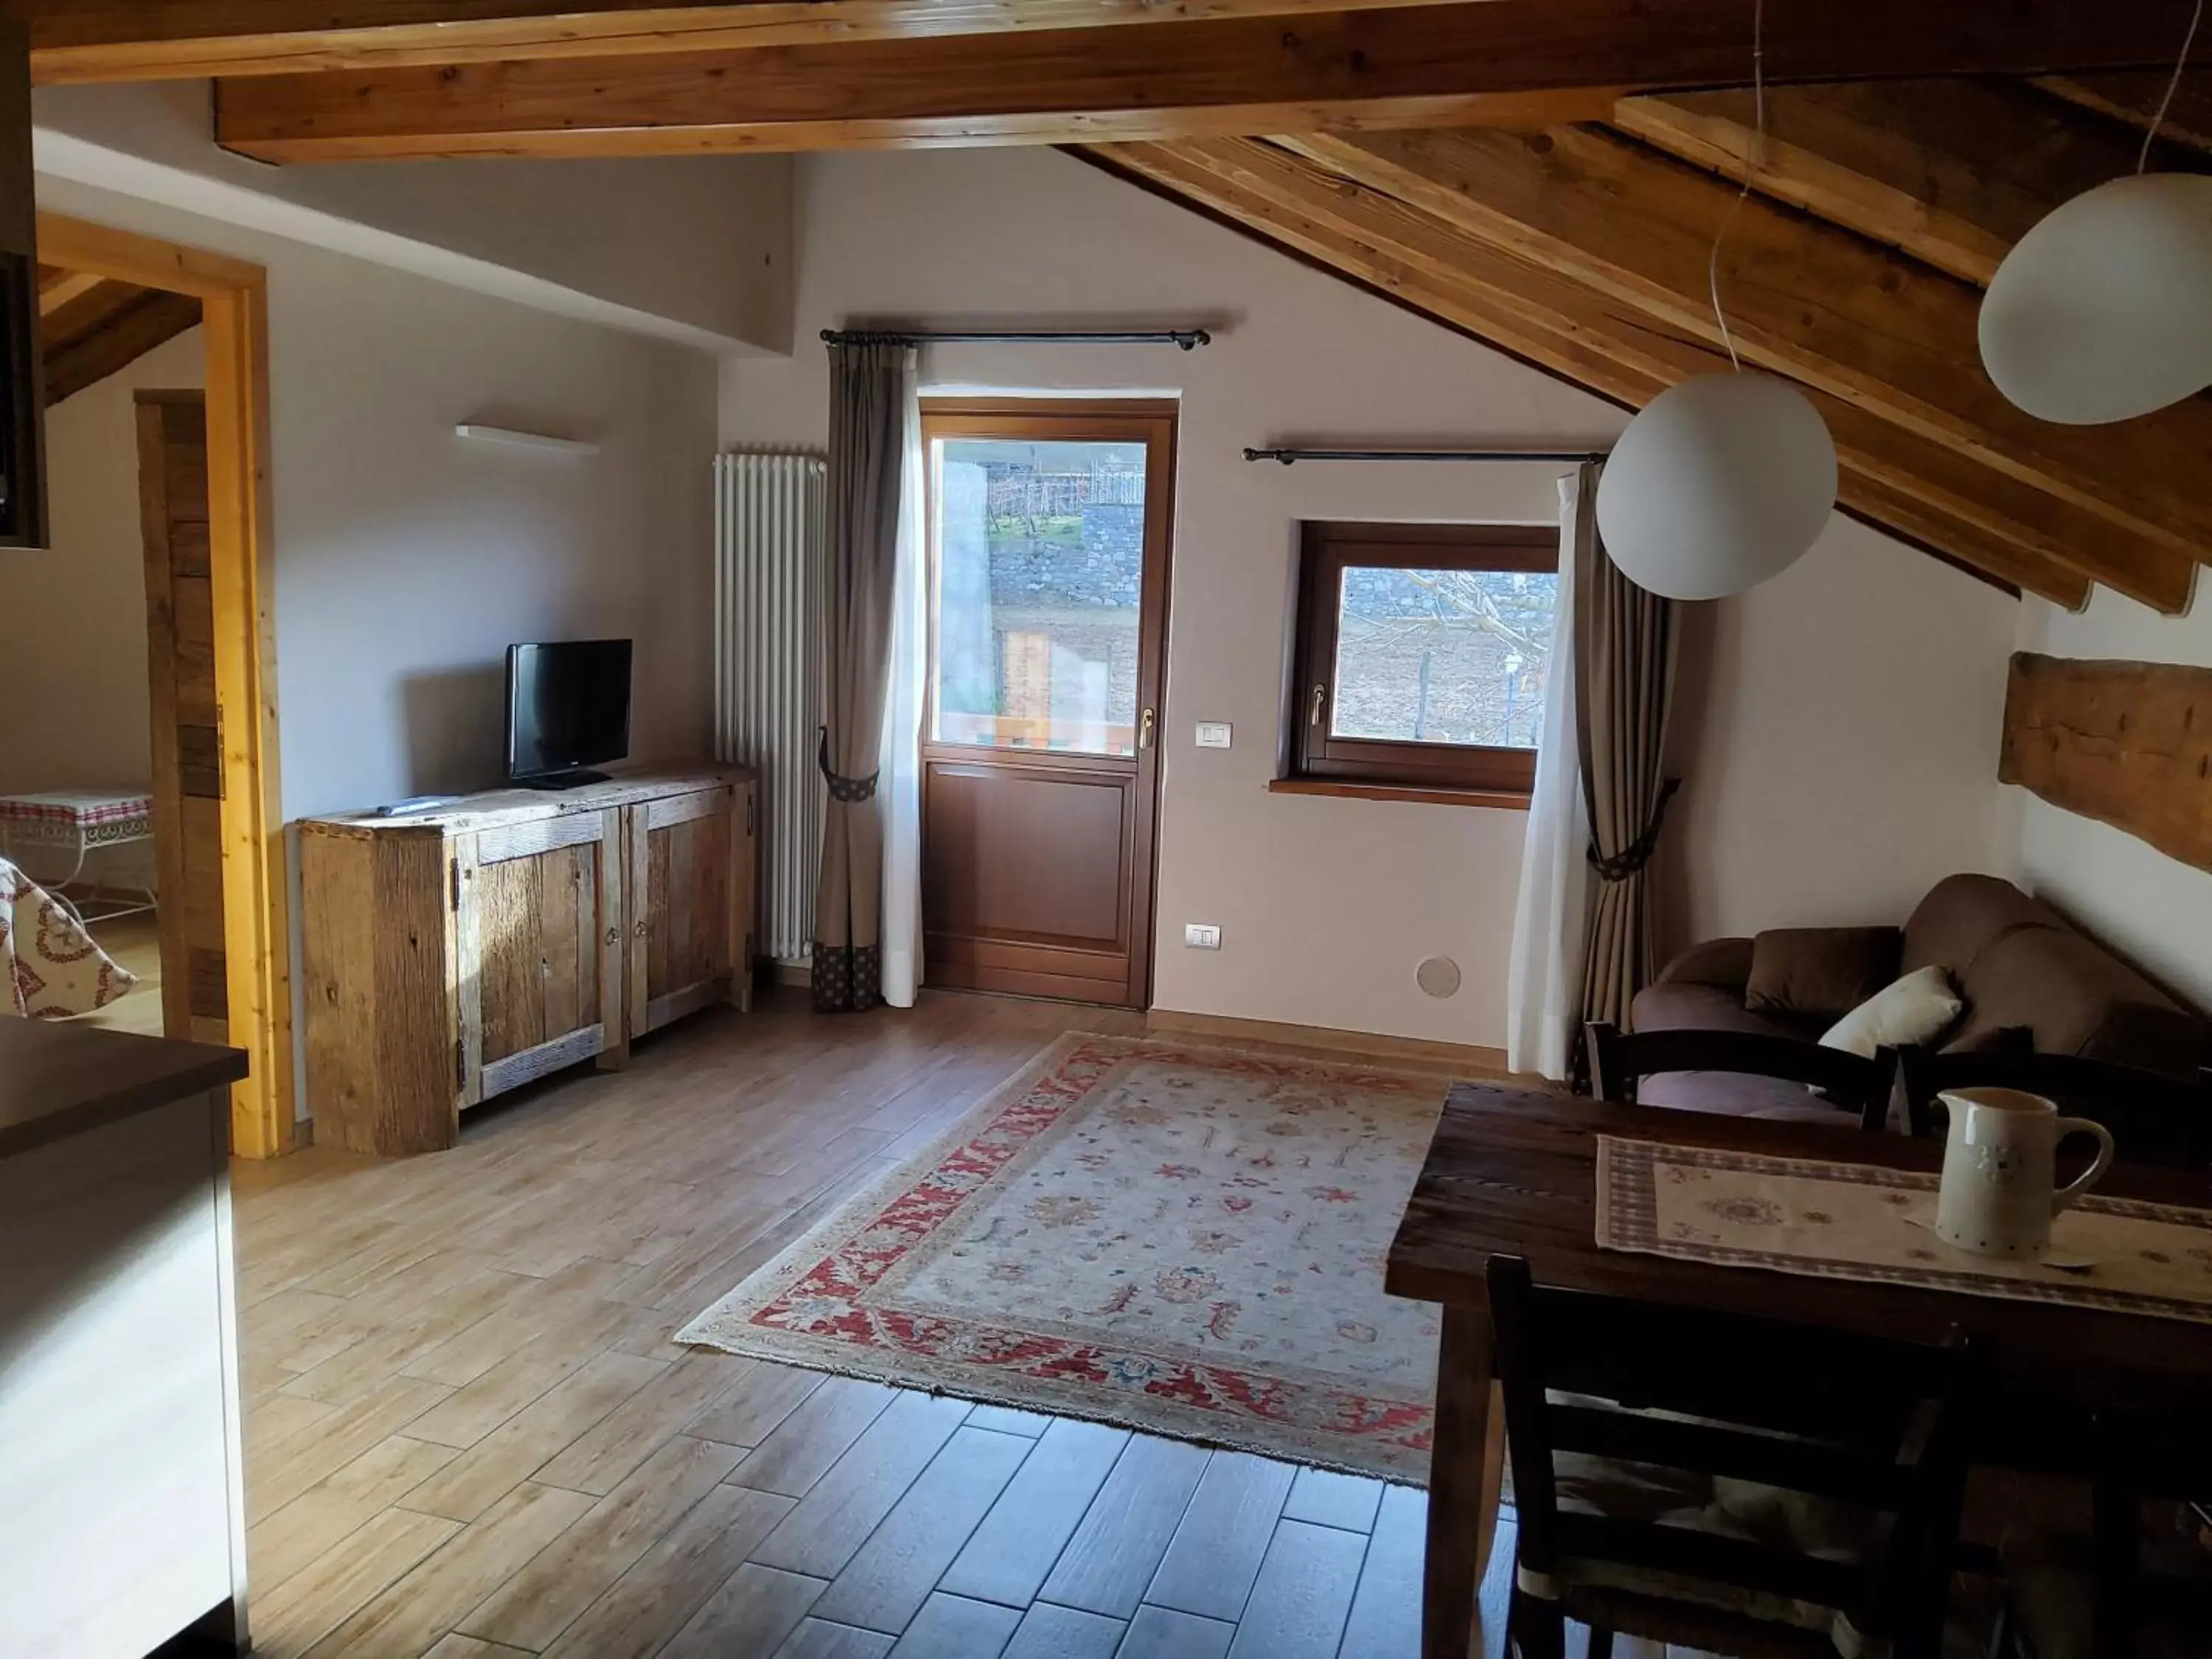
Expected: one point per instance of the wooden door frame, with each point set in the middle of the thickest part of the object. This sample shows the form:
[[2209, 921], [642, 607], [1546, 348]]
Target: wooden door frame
[[1005, 416], [234, 297]]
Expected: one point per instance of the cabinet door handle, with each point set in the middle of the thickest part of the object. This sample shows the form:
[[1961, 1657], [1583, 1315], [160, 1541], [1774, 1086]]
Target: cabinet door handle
[[640, 930], [613, 934]]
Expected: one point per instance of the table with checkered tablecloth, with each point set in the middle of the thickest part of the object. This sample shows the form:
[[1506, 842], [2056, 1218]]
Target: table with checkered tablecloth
[[51, 833]]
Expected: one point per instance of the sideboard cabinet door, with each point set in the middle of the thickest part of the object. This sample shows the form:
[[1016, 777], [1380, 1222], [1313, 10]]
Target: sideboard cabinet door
[[689, 865], [538, 937]]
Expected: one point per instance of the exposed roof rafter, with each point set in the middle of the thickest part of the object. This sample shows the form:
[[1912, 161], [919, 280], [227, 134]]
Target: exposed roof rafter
[[158, 39], [104, 326], [1522, 63]]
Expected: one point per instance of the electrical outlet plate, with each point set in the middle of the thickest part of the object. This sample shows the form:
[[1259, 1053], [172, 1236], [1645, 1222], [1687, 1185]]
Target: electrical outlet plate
[[1214, 734], [1201, 936]]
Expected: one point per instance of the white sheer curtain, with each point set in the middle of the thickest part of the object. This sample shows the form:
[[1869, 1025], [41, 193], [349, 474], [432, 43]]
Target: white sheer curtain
[[898, 785], [1551, 921]]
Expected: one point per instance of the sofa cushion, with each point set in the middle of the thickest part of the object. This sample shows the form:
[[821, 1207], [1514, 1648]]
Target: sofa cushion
[[1822, 973], [1915, 1011], [1739, 1094], [1711, 1008], [1692, 1007], [1960, 916], [2077, 999]]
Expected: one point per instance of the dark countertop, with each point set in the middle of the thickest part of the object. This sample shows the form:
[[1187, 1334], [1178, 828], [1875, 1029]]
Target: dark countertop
[[58, 1079]]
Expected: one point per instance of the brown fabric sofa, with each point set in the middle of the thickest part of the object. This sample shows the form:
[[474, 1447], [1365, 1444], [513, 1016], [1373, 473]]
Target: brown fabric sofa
[[2026, 976]]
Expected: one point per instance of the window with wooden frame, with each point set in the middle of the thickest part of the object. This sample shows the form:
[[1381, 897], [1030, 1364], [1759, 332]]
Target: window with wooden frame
[[1421, 659]]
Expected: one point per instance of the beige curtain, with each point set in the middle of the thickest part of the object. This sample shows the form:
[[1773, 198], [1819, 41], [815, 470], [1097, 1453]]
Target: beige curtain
[[870, 386], [1625, 644]]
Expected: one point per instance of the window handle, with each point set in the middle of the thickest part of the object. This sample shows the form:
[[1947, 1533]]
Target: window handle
[[1144, 731], [1321, 692]]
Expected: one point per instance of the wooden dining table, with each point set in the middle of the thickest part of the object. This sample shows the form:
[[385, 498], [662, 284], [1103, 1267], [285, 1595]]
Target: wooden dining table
[[1513, 1172]]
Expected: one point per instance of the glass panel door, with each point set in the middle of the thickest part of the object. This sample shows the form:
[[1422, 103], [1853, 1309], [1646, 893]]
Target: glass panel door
[[1040, 564]]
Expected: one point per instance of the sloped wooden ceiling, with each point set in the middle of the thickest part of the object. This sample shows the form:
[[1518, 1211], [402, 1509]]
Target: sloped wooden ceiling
[[1881, 209], [91, 327], [1547, 175]]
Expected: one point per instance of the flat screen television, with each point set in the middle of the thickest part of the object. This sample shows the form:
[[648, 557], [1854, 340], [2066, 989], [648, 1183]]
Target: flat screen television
[[568, 709]]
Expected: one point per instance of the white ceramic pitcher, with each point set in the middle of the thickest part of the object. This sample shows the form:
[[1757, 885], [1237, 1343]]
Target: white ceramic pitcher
[[2000, 1170]]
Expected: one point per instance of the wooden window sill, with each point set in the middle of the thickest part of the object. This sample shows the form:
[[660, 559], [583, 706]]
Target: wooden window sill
[[1436, 794]]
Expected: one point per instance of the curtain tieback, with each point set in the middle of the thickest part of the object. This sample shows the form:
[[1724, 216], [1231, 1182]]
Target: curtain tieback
[[1623, 865], [844, 788]]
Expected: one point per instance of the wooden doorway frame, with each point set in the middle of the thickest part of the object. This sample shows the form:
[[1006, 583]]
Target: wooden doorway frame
[[234, 297]]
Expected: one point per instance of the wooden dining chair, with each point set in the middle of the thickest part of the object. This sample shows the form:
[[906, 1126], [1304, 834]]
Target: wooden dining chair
[[1620, 1060], [2139, 1583], [2154, 1118], [1744, 1485]]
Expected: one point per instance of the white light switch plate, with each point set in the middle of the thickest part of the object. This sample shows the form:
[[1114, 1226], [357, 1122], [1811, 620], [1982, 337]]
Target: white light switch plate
[[1214, 734], [1201, 936]]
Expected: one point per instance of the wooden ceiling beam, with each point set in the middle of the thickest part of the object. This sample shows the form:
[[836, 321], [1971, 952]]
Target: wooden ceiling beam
[[1951, 171], [1807, 39], [2134, 98], [57, 287], [106, 331], [1479, 61], [1860, 322], [1920, 491], [86, 40]]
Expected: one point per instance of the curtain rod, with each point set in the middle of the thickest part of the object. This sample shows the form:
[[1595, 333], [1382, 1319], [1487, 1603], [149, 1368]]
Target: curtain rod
[[1187, 339], [1289, 456]]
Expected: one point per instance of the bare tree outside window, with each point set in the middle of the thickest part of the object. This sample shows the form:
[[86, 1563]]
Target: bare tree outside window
[[1443, 656], [1422, 655]]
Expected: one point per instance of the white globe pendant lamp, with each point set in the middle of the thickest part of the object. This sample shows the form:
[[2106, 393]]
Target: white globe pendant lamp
[[2104, 311], [1722, 482]]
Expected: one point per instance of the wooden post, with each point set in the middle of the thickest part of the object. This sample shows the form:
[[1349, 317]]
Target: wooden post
[[22, 410]]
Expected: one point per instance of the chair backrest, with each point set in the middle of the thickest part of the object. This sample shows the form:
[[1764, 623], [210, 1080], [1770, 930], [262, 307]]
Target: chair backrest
[[2135, 1457], [1848, 1082], [1874, 1425], [2154, 1118]]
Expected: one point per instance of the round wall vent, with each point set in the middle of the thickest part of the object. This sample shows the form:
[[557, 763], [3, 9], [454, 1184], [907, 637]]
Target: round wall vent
[[1439, 976]]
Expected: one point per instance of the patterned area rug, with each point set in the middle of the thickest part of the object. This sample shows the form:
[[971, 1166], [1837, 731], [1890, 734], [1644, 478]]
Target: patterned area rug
[[1171, 1236]]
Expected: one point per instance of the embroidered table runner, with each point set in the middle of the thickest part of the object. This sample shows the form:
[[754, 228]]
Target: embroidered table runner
[[1855, 1221]]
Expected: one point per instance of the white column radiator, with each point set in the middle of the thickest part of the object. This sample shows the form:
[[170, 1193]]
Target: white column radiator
[[767, 670]]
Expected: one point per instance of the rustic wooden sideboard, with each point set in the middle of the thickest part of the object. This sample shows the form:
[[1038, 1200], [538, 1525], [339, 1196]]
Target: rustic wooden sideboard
[[455, 952]]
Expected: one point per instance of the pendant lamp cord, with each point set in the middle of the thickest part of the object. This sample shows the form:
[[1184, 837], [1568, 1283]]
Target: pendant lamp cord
[[2171, 86], [1755, 158]]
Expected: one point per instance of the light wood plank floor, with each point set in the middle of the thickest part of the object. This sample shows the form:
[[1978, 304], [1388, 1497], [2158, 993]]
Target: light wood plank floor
[[469, 1434], [135, 942]]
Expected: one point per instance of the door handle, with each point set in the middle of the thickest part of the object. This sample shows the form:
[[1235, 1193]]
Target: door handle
[[1320, 692], [1144, 731]]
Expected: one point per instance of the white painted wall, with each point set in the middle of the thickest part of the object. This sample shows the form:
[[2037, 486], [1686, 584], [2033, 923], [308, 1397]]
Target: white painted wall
[[73, 704], [1841, 758], [693, 248], [1845, 756], [407, 559], [2154, 909]]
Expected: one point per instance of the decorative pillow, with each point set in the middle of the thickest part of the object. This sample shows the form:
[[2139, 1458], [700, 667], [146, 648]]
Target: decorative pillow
[[1820, 972], [1917, 1010]]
